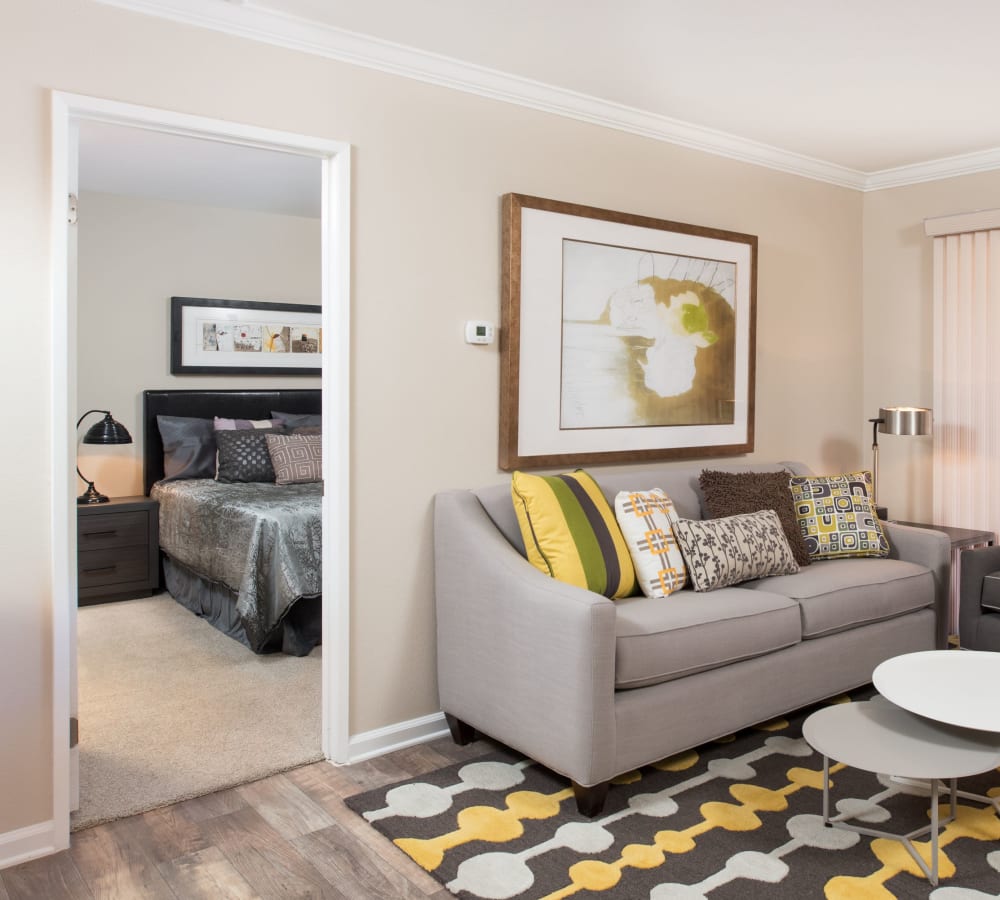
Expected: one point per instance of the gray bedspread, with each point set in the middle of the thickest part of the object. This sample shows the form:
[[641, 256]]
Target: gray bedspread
[[262, 541]]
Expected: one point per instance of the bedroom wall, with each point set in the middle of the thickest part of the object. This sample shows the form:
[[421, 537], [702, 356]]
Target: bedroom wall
[[898, 325], [429, 168], [137, 252]]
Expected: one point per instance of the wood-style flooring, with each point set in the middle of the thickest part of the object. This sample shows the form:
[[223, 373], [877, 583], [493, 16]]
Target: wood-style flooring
[[287, 836]]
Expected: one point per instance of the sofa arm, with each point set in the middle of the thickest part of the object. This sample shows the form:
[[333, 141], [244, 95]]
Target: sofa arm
[[931, 549], [975, 564], [523, 658]]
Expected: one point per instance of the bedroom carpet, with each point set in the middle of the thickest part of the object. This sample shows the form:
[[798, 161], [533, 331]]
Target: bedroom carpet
[[732, 819], [170, 709]]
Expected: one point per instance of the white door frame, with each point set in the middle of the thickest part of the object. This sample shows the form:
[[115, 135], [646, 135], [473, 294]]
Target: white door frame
[[335, 291]]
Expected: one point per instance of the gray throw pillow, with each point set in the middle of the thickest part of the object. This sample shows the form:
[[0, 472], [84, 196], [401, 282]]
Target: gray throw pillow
[[297, 458], [188, 447], [243, 455], [298, 420], [721, 552]]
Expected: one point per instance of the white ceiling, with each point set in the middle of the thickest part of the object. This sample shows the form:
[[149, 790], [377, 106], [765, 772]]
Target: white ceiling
[[866, 93], [865, 84], [118, 159]]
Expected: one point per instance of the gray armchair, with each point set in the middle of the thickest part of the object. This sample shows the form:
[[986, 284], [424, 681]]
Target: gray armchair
[[979, 599]]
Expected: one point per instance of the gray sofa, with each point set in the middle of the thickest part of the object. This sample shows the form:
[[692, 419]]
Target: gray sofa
[[592, 688], [979, 599]]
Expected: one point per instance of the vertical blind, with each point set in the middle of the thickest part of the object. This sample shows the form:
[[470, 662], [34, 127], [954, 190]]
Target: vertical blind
[[966, 368]]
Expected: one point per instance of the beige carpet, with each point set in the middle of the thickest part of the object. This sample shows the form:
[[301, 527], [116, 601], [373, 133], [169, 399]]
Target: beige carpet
[[170, 708]]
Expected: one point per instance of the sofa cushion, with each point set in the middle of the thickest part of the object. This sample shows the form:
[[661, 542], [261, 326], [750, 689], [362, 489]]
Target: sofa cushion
[[722, 552], [570, 532], [732, 493], [836, 595], [837, 516], [991, 592], [647, 521], [658, 640]]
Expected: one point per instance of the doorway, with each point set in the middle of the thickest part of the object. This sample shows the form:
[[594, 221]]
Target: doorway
[[69, 111]]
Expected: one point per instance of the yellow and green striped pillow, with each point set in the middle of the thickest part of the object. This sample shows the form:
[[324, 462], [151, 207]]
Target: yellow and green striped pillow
[[570, 532]]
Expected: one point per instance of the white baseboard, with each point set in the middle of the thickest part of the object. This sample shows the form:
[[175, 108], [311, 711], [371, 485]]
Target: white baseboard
[[28, 843], [369, 744]]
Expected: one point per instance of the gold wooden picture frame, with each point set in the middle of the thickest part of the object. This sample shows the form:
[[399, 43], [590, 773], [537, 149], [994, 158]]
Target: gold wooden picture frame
[[623, 338]]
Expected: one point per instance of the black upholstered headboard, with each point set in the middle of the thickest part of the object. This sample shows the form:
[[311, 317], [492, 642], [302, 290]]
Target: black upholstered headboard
[[207, 404]]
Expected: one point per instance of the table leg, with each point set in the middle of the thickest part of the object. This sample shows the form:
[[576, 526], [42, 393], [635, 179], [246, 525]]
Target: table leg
[[934, 831], [826, 791]]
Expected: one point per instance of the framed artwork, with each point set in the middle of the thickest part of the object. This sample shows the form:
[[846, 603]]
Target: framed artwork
[[242, 337], [623, 338]]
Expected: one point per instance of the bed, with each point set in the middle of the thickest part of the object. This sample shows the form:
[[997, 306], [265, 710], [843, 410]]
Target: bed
[[246, 556]]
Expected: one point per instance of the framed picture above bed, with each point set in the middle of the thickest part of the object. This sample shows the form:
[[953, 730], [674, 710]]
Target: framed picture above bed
[[243, 337]]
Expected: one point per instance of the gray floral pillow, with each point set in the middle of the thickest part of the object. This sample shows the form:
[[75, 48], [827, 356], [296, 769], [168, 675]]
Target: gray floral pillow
[[243, 455], [722, 552]]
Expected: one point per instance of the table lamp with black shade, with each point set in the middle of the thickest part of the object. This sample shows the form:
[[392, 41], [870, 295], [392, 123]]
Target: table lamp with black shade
[[107, 431]]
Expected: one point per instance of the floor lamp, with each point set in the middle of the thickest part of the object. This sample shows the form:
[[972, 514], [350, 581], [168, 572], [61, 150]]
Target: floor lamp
[[908, 420]]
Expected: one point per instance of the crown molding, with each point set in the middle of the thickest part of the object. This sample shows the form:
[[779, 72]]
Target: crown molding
[[935, 170], [243, 18]]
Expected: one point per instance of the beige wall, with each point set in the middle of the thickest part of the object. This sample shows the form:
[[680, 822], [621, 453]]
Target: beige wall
[[898, 325], [134, 254], [430, 166]]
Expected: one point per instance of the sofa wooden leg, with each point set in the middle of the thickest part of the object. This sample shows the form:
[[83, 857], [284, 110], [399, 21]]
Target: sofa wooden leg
[[461, 732], [590, 800]]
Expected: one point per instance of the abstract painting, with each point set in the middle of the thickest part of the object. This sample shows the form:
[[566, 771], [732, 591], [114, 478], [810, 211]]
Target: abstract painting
[[623, 337]]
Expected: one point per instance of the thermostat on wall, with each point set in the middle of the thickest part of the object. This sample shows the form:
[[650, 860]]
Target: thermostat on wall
[[479, 332]]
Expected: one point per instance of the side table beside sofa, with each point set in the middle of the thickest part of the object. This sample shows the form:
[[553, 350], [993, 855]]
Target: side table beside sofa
[[592, 688]]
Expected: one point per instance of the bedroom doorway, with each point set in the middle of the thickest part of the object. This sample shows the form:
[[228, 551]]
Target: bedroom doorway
[[68, 112]]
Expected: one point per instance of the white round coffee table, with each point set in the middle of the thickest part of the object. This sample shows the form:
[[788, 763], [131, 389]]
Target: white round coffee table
[[877, 736], [953, 686]]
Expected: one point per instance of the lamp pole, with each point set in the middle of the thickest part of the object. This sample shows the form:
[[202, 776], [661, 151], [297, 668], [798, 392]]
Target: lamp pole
[[875, 424]]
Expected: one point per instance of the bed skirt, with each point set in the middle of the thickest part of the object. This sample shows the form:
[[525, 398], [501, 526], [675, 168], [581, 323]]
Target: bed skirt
[[296, 634]]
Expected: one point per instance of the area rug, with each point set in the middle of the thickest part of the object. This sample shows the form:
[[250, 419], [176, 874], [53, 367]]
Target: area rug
[[737, 818], [170, 708]]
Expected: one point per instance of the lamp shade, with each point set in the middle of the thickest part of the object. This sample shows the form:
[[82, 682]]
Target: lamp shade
[[909, 420], [106, 431]]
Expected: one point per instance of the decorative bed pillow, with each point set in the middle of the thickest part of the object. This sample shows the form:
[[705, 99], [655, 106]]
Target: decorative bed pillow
[[298, 420], [188, 447], [647, 522], [243, 455], [837, 516], [296, 458], [721, 552], [571, 534], [244, 424], [733, 493]]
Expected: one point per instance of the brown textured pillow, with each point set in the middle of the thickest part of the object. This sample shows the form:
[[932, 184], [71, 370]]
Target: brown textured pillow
[[735, 493]]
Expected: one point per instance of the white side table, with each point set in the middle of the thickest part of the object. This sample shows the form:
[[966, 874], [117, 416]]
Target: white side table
[[877, 736], [953, 686]]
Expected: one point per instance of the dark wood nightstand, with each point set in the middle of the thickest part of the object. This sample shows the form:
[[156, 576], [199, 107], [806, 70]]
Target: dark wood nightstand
[[117, 549]]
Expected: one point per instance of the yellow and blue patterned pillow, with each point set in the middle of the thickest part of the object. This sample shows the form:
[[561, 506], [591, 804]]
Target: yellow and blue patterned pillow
[[837, 516], [570, 532]]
